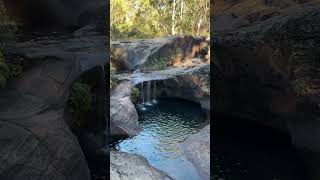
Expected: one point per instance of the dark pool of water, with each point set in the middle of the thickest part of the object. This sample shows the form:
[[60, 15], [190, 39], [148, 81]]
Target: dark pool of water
[[165, 125], [245, 151]]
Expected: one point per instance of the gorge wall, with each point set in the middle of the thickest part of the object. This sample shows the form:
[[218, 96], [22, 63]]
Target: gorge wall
[[266, 62]]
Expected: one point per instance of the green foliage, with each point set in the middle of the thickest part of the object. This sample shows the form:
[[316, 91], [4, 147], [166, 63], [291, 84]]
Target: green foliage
[[301, 86], [7, 26], [80, 101], [9, 69], [113, 80], [4, 71], [150, 18], [135, 92], [159, 63]]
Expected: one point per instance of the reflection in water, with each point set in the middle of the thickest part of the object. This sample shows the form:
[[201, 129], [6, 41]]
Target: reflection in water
[[165, 125], [245, 151]]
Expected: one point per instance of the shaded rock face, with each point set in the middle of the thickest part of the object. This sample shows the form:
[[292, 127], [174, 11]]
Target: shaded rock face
[[37, 142], [123, 114], [194, 86], [124, 166], [57, 12], [141, 53], [197, 149], [267, 70]]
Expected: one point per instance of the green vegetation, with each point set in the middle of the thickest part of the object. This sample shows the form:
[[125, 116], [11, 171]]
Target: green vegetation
[[9, 69], [301, 86], [113, 80], [135, 93], [161, 62], [153, 18], [7, 26], [4, 71], [80, 101]]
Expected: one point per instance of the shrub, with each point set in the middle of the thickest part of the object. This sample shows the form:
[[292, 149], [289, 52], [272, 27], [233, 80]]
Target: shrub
[[80, 101], [4, 71]]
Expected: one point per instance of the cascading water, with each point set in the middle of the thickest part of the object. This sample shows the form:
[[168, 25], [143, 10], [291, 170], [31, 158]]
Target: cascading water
[[142, 106], [154, 100], [148, 94]]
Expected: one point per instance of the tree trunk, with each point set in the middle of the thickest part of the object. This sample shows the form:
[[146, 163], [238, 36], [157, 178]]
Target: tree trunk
[[181, 16], [198, 27], [173, 17]]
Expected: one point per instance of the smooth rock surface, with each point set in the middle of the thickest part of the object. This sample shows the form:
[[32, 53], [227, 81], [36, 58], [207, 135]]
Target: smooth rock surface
[[124, 166], [267, 68], [197, 149], [36, 141], [123, 114]]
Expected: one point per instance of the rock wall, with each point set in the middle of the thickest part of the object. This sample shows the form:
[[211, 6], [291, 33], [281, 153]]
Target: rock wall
[[37, 142], [267, 66]]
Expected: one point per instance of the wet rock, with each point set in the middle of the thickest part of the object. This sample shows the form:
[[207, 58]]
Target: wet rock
[[197, 149], [192, 83], [124, 166]]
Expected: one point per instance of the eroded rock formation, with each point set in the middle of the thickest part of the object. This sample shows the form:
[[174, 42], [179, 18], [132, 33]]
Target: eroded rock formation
[[143, 54], [267, 68], [197, 149], [36, 138], [124, 166]]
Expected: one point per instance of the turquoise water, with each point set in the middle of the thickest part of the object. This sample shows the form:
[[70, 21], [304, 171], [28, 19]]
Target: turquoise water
[[164, 126]]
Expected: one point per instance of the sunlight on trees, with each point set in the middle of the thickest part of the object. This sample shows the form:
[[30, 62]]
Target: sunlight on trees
[[154, 18]]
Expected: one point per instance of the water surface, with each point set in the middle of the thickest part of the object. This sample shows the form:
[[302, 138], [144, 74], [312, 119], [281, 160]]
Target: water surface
[[243, 150], [165, 125]]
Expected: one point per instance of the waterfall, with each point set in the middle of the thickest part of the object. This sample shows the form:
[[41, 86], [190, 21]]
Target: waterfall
[[148, 93], [142, 107], [154, 100]]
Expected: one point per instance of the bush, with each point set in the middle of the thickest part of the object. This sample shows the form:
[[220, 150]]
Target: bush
[[4, 71], [113, 80], [80, 101]]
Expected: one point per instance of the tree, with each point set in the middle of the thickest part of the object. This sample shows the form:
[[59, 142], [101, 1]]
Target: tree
[[154, 18]]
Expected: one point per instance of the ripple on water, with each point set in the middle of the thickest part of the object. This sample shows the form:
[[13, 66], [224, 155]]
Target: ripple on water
[[165, 125]]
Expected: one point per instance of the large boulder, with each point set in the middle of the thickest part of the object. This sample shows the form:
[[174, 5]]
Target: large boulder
[[123, 114], [197, 149], [124, 166], [146, 53], [36, 141]]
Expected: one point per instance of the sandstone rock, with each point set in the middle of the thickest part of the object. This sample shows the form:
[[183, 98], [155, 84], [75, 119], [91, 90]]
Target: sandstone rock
[[193, 85], [266, 69], [123, 114], [197, 149], [37, 142], [143, 54], [124, 166]]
